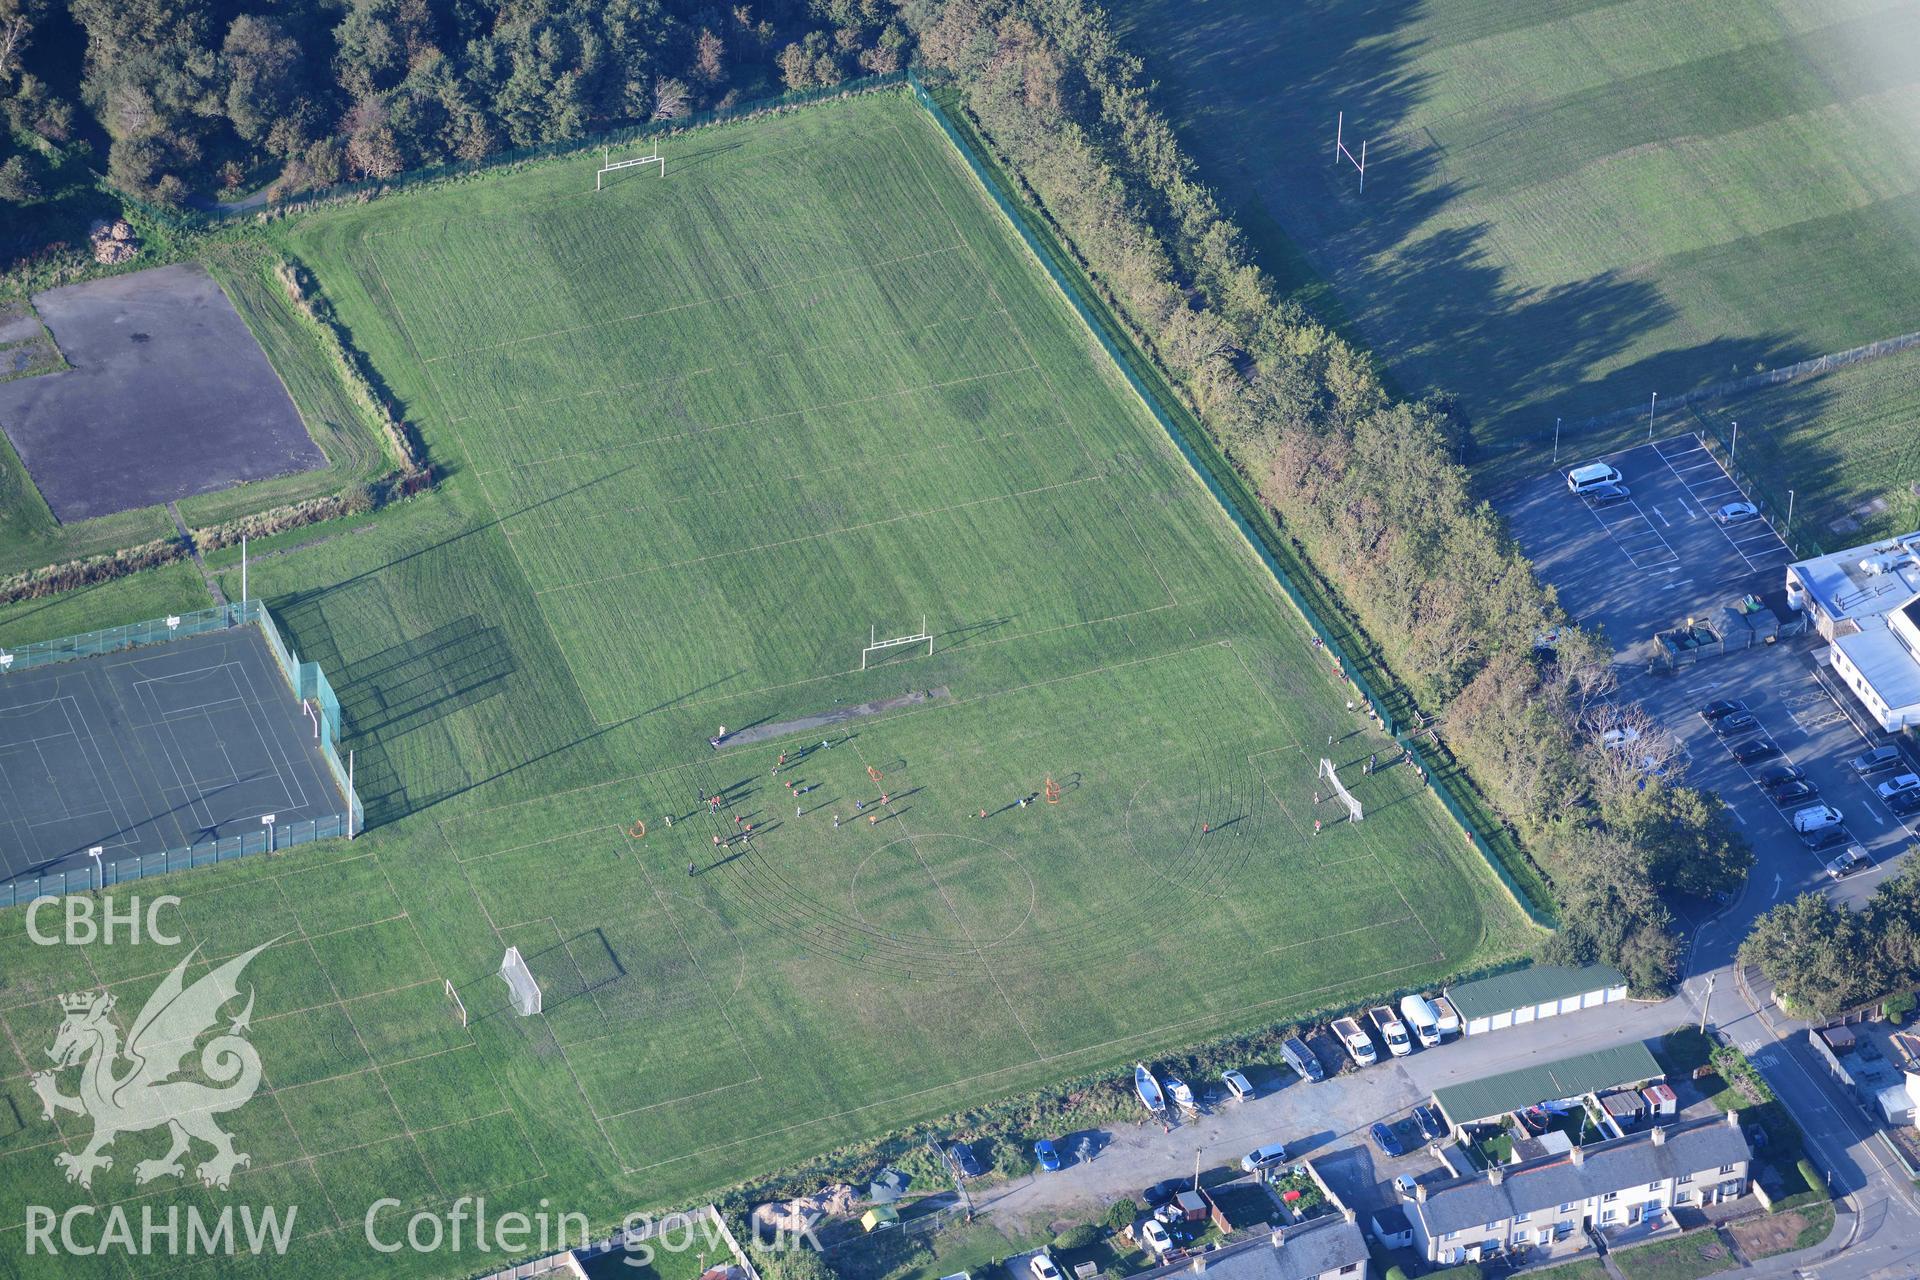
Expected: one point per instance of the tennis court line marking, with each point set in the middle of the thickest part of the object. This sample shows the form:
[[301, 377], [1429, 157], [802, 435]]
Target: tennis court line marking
[[682, 377], [823, 533], [696, 303]]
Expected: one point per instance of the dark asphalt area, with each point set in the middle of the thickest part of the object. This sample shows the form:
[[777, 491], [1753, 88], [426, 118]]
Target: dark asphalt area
[[153, 749], [169, 396]]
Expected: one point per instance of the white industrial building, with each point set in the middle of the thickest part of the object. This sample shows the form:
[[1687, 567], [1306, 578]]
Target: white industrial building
[[1865, 602]]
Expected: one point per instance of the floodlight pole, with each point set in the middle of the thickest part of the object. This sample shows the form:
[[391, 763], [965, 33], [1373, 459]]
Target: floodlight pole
[[1556, 442], [243, 571], [1363, 166], [1789, 515], [1650, 407], [98, 867], [266, 820], [350, 795], [1735, 449], [1706, 1002], [1339, 123]]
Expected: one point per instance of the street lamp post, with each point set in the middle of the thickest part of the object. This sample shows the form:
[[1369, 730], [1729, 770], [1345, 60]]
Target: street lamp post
[[1556, 442], [99, 868], [1789, 515], [1650, 407], [266, 820], [1735, 449]]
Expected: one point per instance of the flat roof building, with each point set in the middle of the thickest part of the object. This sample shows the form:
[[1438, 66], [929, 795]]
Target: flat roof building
[[1527, 995], [1490, 1097], [1865, 602]]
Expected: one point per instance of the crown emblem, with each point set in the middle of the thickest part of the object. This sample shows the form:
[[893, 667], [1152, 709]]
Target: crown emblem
[[81, 1001]]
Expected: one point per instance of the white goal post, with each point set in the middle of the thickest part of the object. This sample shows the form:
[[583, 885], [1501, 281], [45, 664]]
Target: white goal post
[[1332, 775], [458, 1003], [525, 991], [609, 165], [876, 645], [1342, 151]]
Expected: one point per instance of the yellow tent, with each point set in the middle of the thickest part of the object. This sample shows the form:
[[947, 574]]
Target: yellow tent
[[881, 1215]]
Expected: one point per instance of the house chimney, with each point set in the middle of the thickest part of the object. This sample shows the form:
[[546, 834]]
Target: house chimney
[[1420, 1192], [1659, 1135], [1279, 1238], [1496, 1175], [1733, 1117], [1199, 1262], [1350, 1215], [1578, 1155]]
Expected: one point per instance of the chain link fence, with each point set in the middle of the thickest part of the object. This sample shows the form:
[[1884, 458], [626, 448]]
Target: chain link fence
[[304, 679]]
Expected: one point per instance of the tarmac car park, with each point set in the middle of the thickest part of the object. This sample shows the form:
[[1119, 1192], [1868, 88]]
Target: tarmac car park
[[1760, 729]]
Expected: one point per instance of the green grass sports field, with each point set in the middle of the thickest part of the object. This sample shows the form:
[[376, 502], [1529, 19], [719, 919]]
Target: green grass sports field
[[704, 433], [1572, 205]]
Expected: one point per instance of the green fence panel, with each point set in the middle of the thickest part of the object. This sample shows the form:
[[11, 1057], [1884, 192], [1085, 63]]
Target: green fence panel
[[1225, 493]]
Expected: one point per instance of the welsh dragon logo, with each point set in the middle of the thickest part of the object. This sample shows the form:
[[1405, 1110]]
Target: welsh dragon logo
[[133, 1089]]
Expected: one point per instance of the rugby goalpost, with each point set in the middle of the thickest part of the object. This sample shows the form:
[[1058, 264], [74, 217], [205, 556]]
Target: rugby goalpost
[[1340, 149], [1332, 775], [523, 990], [609, 165], [876, 645]]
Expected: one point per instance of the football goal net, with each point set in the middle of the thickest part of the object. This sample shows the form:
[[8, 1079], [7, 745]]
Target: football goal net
[[459, 1005], [609, 165], [525, 992], [876, 647], [1340, 791]]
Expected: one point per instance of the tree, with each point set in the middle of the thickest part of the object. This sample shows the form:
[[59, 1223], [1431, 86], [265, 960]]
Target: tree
[[1813, 951], [709, 58], [265, 85], [1690, 846], [1610, 911], [18, 182], [671, 98]]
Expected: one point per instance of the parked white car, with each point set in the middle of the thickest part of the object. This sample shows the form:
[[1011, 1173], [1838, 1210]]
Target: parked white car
[[1042, 1266], [1737, 513], [1155, 1237], [1237, 1084]]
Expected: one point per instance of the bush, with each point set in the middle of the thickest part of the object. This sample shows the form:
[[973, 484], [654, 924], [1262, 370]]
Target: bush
[[1813, 1179], [1396, 1272], [1078, 1237], [1898, 1007], [1121, 1213]]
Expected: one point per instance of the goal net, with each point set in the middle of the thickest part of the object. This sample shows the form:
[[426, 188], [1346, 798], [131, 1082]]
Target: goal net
[[525, 992], [1340, 791], [459, 1005]]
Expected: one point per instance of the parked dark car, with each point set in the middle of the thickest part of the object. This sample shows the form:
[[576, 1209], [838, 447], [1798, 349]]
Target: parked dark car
[[1720, 709], [1163, 1192], [1734, 724], [1793, 793], [1781, 774], [1826, 838], [1904, 803], [1387, 1140], [964, 1160], [1854, 859], [1431, 1126], [1754, 749]]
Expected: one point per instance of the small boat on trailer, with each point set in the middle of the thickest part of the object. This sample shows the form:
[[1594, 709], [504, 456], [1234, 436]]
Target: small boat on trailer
[[1181, 1093]]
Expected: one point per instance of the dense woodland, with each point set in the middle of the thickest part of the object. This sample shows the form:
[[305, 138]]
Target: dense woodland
[[191, 99], [204, 97]]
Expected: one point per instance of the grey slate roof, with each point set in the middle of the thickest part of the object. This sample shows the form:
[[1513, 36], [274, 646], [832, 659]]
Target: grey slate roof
[[1535, 985], [1311, 1249], [1619, 1165]]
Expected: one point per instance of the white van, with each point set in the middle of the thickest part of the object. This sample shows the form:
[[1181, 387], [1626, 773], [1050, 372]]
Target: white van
[[1591, 476], [1420, 1016], [1816, 818]]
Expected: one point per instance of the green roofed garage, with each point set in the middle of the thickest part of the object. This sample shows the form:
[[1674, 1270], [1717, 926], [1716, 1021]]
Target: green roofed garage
[[1478, 1101], [1527, 995]]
